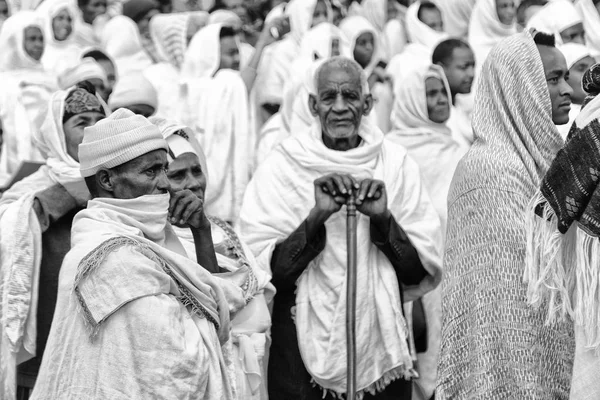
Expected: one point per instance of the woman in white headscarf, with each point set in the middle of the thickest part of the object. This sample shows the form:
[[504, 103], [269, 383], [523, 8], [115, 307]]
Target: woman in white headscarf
[[561, 19], [89, 22], [250, 324], [491, 22], [456, 14], [421, 110], [61, 51], [383, 15], [26, 89], [590, 13]]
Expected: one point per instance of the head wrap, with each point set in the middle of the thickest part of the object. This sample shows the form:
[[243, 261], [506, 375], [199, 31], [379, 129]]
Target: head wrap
[[169, 34], [486, 30], [80, 101], [555, 17], [420, 33], [225, 17], [13, 55], [409, 113], [355, 26], [203, 55], [317, 43], [301, 13], [574, 52], [137, 9], [122, 42], [133, 90], [591, 24], [48, 10], [87, 69], [120, 138]]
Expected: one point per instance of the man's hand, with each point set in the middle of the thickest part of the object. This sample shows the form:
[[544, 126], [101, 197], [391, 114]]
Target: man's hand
[[371, 199], [186, 209], [331, 192]]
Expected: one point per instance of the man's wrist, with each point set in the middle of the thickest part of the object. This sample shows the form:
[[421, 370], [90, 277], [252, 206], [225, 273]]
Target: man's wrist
[[381, 220]]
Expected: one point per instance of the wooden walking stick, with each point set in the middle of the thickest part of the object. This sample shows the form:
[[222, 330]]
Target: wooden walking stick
[[351, 298]]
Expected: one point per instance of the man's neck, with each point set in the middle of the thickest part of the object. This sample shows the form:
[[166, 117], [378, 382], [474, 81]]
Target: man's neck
[[341, 144]]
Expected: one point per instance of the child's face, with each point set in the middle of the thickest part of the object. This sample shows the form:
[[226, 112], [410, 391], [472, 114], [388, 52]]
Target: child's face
[[230, 54], [364, 49]]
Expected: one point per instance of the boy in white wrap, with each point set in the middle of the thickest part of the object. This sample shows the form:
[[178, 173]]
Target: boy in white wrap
[[292, 222], [135, 317]]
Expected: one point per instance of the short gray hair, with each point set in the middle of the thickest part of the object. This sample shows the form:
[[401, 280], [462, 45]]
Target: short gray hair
[[346, 64]]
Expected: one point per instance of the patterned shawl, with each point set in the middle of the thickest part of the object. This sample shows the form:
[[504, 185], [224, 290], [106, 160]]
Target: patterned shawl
[[562, 263], [494, 344]]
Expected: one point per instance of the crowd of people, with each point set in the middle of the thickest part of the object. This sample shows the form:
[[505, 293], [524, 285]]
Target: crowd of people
[[175, 175]]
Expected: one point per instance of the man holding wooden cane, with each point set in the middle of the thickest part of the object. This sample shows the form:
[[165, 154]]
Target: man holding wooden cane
[[291, 220]]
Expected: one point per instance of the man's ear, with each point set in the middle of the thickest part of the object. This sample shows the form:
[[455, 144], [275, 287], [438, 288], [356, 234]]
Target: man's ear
[[312, 105], [104, 180], [368, 104]]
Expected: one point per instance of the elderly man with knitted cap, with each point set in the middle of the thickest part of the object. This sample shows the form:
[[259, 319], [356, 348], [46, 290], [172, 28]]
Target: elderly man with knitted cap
[[135, 317]]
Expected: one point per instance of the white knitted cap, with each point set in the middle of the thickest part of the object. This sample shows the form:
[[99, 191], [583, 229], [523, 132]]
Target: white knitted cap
[[116, 140]]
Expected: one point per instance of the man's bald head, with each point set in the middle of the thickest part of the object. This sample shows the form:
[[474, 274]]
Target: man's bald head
[[351, 67]]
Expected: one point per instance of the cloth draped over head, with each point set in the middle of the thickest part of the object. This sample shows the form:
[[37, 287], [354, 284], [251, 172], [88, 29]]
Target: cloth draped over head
[[203, 55], [22, 238], [564, 226], [355, 26], [169, 34], [456, 15], [58, 54], [122, 42], [555, 17], [180, 140], [281, 194], [133, 90], [591, 24], [574, 52], [300, 13], [225, 17], [486, 241], [392, 35], [13, 55], [418, 32], [486, 30], [88, 68]]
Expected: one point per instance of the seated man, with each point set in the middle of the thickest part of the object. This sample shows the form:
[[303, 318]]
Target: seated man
[[291, 221], [135, 318], [458, 61]]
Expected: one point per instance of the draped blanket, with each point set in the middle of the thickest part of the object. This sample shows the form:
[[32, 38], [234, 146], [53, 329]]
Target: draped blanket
[[280, 197], [494, 344]]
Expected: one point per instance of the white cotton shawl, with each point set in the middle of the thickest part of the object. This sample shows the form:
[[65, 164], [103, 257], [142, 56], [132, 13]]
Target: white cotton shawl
[[58, 55], [418, 32], [591, 24], [169, 35], [122, 42], [86, 35], [486, 30], [21, 241], [279, 198], [555, 17], [99, 345], [392, 36], [456, 15], [355, 26]]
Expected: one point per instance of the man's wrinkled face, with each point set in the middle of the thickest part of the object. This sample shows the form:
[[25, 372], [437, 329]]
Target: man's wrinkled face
[[364, 49], [460, 70], [438, 104], [33, 42], [340, 103], [93, 9], [74, 127], [62, 25], [506, 11], [230, 54], [576, 76], [432, 18], [574, 34], [557, 75], [185, 172], [144, 175], [320, 13]]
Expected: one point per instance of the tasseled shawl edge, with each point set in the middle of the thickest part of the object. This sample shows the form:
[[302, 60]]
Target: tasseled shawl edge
[[562, 272], [97, 256]]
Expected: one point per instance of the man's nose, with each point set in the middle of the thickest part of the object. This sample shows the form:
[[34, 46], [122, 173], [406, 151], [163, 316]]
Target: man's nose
[[163, 182], [339, 104], [566, 89]]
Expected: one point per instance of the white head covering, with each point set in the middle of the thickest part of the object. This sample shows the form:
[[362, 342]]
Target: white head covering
[[486, 30], [410, 115], [13, 55], [591, 24], [47, 10], [318, 41], [355, 26], [555, 17], [456, 15], [225, 17], [420, 33], [375, 11], [120, 138], [203, 55], [169, 34], [133, 89], [574, 52], [87, 69], [300, 13], [121, 40]]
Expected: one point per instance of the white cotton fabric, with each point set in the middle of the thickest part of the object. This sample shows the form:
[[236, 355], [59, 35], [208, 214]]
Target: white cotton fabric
[[574, 52], [392, 34], [277, 201], [133, 89], [21, 241], [122, 42], [58, 55], [486, 30], [355, 26], [456, 15], [86, 69], [418, 32], [555, 17], [26, 90], [143, 334], [87, 35], [591, 24]]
